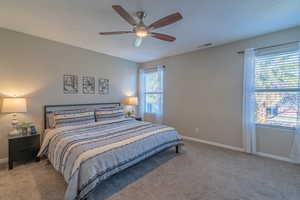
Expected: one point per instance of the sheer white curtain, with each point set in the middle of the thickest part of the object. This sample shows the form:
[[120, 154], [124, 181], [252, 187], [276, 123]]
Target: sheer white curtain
[[159, 116], [156, 117], [295, 151], [142, 92], [249, 127]]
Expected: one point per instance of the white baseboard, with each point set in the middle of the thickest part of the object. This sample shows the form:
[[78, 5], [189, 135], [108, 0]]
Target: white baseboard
[[3, 160], [274, 157], [214, 144], [238, 149]]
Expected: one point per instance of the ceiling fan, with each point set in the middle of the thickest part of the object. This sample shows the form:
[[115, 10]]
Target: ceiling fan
[[140, 29]]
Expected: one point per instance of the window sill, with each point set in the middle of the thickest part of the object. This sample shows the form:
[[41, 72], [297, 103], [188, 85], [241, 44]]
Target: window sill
[[276, 127]]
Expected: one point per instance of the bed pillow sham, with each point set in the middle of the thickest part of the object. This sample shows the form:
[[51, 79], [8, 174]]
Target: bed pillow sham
[[73, 117], [50, 120], [109, 113]]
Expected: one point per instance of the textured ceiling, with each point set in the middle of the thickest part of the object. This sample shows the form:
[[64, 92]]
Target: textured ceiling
[[77, 22]]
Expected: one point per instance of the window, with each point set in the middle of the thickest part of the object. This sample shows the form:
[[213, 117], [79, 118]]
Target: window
[[277, 88], [153, 92]]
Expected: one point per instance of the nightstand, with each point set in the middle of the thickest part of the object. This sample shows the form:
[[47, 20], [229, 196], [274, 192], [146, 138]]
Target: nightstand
[[138, 118], [23, 148]]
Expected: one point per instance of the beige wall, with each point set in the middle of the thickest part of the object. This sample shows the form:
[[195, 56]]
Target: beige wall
[[275, 141], [33, 67], [204, 90]]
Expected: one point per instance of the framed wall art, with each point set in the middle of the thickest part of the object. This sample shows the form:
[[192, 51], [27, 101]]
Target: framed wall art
[[88, 85], [70, 84], [103, 86]]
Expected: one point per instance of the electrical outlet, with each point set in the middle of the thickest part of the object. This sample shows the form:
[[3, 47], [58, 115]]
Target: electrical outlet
[[197, 130]]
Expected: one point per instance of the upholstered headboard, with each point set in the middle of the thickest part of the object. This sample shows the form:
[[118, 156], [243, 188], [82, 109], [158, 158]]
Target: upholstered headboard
[[52, 108]]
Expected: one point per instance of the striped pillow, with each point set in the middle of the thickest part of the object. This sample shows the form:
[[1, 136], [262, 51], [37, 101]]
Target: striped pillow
[[73, 117], [109, 113]]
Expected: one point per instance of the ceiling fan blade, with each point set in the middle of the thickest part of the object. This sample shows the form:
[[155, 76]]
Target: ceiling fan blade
[[138, 41], [124, 14], [170, 19], [163, 37], [115, 32]]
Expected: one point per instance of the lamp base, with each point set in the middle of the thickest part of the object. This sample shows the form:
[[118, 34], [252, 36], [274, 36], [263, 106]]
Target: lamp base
[[14, 123], [14, 132]]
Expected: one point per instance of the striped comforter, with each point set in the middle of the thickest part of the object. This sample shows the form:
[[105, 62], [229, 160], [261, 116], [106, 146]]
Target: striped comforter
[[88, 154]]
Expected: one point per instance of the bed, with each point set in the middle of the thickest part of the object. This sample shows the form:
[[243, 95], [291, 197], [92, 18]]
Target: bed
[[88, 153]]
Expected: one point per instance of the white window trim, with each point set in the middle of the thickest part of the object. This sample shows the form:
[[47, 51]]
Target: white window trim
[[145, 94], [275, 126], [142, 73]]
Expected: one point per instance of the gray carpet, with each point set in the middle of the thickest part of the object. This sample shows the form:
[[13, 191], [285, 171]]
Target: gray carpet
[[201, 172]]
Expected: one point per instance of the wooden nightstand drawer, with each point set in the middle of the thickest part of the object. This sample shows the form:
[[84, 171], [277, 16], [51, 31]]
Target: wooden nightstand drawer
[[138, 118], [25, 154], [25, 142], [23, 148]]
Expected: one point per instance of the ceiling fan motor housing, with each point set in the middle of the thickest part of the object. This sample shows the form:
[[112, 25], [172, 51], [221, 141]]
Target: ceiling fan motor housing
[[141, 15]]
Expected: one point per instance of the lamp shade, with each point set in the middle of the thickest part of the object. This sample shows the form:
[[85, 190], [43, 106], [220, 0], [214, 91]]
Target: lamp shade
[[14, 105], [130, 101]]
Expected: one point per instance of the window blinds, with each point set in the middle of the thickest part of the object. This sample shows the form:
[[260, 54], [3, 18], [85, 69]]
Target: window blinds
[[277, 87], [277, 71]]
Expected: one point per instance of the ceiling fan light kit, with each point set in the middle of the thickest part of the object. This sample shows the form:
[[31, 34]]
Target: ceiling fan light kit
[[140, 29], [138, 42]]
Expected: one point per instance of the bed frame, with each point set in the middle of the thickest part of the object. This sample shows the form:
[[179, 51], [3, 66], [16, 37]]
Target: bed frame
[[51, 108]]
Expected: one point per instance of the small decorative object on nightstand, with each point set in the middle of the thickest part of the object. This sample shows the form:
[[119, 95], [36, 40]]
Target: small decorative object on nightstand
[[24, 127], [23, 148]]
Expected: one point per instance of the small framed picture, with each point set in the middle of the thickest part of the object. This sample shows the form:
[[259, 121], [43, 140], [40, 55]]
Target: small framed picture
[[103, 86], [70, 84], [88, 85]]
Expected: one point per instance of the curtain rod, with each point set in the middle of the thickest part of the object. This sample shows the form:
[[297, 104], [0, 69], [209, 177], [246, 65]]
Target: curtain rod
[[163, 66], [276, 45]]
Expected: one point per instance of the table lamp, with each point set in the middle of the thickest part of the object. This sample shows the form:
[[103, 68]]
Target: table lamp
[[130, 101], [14, 106]]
